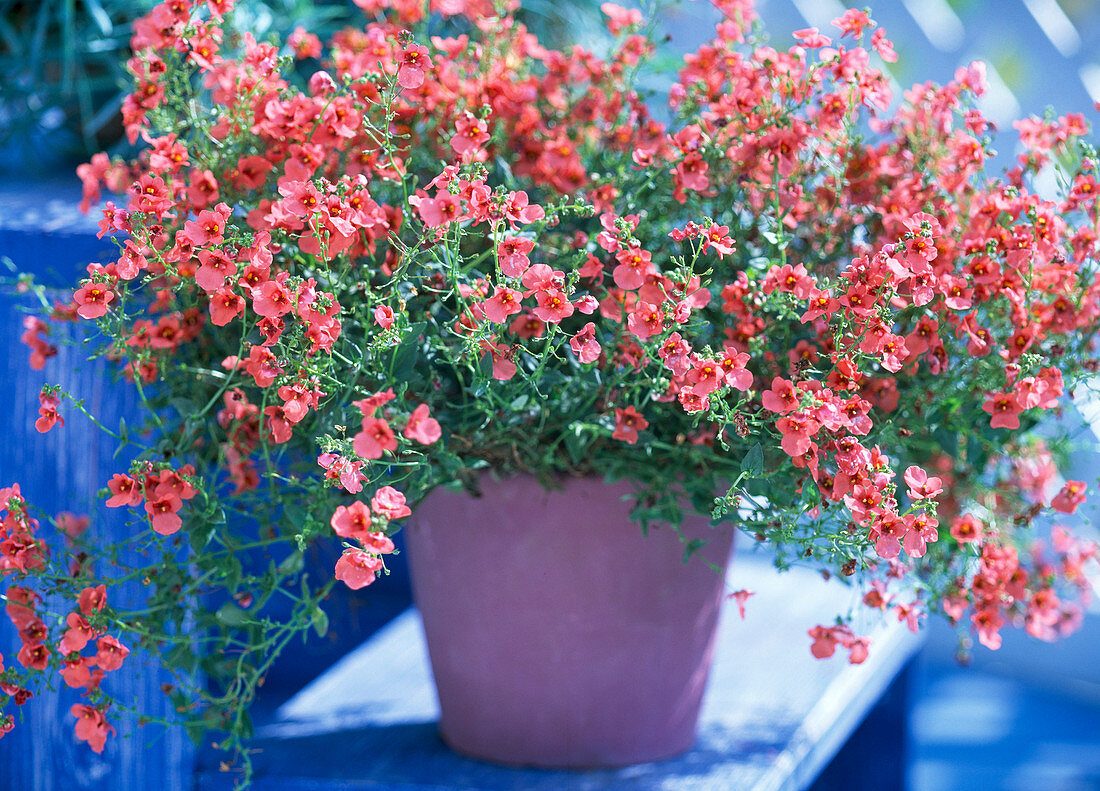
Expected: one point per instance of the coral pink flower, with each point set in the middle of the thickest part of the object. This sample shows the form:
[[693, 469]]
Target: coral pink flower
[[77, 635], [858, 650], [33, 336], [519, 210], [966, 529], [811, 37], [383, 316], [272, 299], [207, 228], [628, 422], [91, 726], [91, 600], [645, 320], [740, 597], [72, 525], [368, 405], [886, 532], [351, 521], [587, 304], [797, 430], [503, 366], [504, 303], [390, 503], [48, 415], [93, 299], [922, 531], [1071, 496], [439, 211], [414, 62], [421, 427], [1005, 410], [585, 345], [79, 674], [988, 623], [852, 22], [471, 133], [824, 642], [377, 542], [110, 653], [347, 472], [706, 376], [717, 238], [357, 569], [634, 265], [920, 485], [262, 365], [225, 306], [33, 656], [163, 513], [883, 46], [215, 268], [781, 398], [375, 438], [553, 306], [512, 253], [619, 18]]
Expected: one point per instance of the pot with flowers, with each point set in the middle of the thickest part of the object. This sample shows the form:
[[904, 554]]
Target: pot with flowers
[[437, 274]]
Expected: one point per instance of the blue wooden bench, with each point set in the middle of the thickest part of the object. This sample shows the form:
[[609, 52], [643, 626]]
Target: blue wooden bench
[[773, 717]]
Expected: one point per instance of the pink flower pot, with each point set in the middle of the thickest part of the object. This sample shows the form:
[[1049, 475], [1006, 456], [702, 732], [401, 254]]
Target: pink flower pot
[[559, 635]]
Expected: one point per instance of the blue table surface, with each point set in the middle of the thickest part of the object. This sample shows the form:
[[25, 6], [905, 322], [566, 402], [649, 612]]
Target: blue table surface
[[773, 716]]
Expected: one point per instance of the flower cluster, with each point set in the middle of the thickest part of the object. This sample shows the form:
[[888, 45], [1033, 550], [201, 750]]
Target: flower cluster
[[436, 246], [162, 490], [22, 553]]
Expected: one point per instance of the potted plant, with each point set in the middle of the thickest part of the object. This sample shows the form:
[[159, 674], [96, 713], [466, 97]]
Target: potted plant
[[456, 275]]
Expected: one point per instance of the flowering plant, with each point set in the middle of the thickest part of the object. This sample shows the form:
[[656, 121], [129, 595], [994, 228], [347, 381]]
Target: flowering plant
[[450, 249]]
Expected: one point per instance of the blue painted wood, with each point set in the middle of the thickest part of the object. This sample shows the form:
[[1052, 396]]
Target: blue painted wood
[[876, 756], [42, 232], [773, 717]]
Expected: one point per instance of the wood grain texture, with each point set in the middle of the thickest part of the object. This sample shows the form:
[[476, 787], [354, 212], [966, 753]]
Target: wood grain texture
[[62, 470]]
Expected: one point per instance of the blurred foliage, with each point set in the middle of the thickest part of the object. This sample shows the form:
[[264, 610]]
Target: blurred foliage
[[1017, 68], [64, 77], [62, 65]]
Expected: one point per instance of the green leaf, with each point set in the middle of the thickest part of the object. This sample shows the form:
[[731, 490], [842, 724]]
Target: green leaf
[[201, 536], [233, 573], [319, 621], [753, 463], [185, 406], [296, 513], [406, 353], [484, 374], [811, 495], [976, 454], [948, 440], [231, 615], [292, 564], [485, 366], [693, 546], [574, 442], [183, 657]]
